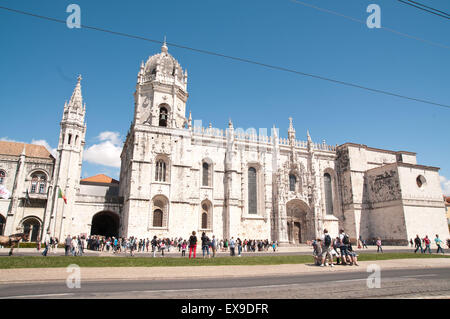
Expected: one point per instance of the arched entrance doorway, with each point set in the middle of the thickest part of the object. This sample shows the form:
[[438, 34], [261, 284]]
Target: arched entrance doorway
[[296, 221], [32, 227], [2, 224], [105, 224]]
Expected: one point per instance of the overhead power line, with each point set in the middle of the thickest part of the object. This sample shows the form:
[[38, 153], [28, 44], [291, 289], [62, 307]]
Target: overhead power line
[[364, 23], [423, 7], [279, 68]]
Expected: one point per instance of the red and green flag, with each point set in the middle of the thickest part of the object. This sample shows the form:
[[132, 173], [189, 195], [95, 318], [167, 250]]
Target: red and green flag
[[61, 195]]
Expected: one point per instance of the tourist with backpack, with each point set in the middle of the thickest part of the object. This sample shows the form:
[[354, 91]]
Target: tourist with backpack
[[205, 244], [344, 241], [326, 249]]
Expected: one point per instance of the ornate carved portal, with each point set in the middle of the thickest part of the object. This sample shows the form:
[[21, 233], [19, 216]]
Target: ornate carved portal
[[296, 211]]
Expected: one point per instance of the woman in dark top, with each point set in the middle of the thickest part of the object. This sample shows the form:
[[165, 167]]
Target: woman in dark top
[[205, 244], [192, 244]]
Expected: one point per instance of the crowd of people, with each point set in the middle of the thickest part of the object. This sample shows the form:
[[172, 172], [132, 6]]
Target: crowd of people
[[327, 249], [420, 242], [339, 251], [76, 245]]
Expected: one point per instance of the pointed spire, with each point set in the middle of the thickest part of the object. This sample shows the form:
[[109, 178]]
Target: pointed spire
[[230, 123], [308, 136], [164, 46], [291, 132], [76, 101]]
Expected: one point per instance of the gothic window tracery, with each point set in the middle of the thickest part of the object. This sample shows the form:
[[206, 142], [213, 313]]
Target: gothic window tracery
[[160, 171], [252, 191], [328, 194], [38, 183], [292, 182], [207, 172]]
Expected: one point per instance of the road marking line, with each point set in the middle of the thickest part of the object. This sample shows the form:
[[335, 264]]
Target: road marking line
[[347, 280], [36, 296], [430, 275]]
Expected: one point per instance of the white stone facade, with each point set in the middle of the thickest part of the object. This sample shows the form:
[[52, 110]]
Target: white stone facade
[[177, 177]]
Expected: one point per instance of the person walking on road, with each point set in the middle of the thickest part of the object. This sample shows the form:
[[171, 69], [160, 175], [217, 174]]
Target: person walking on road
[[418, 244], [47, 244], [427, 243], [438, 242]]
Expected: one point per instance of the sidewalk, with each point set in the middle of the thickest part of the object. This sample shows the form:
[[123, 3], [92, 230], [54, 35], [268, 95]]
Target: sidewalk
[[23, 275]]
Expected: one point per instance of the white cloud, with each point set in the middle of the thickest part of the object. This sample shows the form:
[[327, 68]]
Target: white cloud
[[7, 139], [46, 145], [445, 184], [107, 152]]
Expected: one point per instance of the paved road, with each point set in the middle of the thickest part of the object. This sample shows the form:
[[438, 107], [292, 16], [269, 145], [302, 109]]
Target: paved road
[[401, 283]]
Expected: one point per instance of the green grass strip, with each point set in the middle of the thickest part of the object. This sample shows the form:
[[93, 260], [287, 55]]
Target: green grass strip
[[96, 261]]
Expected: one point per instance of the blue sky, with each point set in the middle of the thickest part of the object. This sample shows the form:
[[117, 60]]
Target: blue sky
[[40, 61]]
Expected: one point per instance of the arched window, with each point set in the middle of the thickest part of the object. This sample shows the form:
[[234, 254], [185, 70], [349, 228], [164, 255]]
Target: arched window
[[162, 116], [252, 197], [204, 220], [206, 215], [292, 182], [157, 218], [2, 177], [328, 193], [205, 174], [38, 183], [160, 171]]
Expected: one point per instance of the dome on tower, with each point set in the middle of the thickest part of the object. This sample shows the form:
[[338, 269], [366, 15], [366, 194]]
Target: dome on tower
[[162, 66]]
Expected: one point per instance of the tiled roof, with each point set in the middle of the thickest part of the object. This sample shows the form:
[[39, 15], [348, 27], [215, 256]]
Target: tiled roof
[[100, 178], [447, 200], [31, 150]]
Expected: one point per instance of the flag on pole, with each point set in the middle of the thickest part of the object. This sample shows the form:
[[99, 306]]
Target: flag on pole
[[61, 195], [4, 193]]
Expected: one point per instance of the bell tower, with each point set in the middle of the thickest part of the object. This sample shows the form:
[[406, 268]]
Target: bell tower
[[68, 164], [161, 92]]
